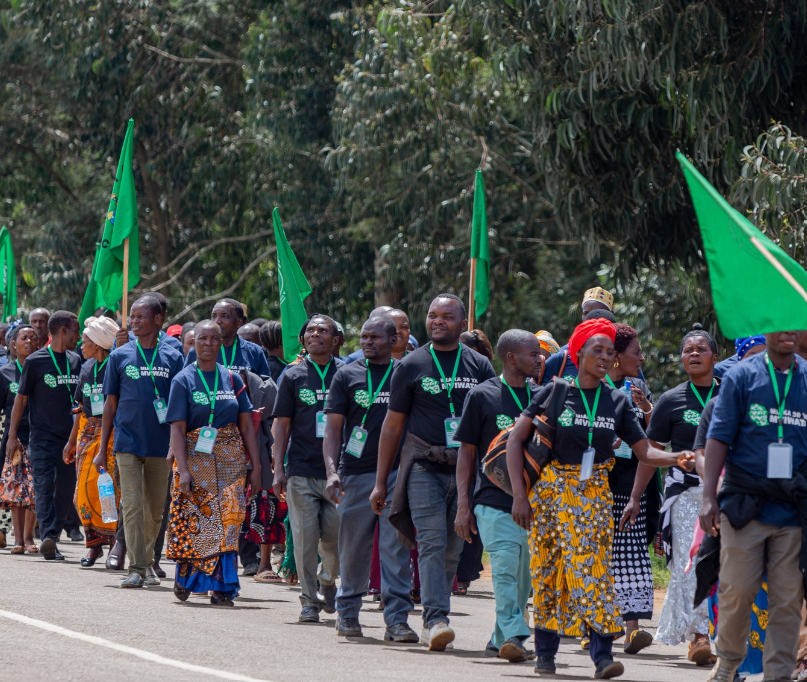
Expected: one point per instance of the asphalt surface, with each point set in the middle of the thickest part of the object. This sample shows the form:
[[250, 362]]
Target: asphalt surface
[[258, 639]]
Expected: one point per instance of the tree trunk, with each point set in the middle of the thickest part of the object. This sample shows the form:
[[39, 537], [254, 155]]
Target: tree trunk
[[160, 219]]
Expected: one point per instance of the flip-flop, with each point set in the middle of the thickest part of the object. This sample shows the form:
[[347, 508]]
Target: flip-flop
[[18, 549], [32, 549], [267, 577]]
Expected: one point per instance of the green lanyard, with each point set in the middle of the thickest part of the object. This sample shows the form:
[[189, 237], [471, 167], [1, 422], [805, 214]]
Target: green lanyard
[[708, 397], [322, 375], [373, 396], [153, 358], [781, 403], [513, 393], [95, 369], [449, 387], [19, 366], [232, 358], [608, 379], [210, 394], [592, 414], [67, 382]]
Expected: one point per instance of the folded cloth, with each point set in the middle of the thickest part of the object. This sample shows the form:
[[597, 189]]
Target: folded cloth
[[414, 449]]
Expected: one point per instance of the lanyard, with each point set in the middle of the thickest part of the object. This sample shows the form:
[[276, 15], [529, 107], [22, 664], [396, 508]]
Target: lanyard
[[513, 393], [153, 358], [781, 403], [232, 358], [708, 397], [67, 382], [609, 380], [95, 373], [373, 396], [449, 386], [19, 366], [210, 394], [592, 414], [322, 375]]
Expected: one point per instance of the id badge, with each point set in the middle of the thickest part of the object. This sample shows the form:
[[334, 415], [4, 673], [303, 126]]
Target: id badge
[[161, 409], [322, 420], [587, 465], [780, 460], [97, 404], [624, 451], [451, 425], [206, 440], [358, 439]]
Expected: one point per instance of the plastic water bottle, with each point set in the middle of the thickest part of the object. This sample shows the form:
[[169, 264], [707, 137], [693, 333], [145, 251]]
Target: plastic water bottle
[[106, 493]]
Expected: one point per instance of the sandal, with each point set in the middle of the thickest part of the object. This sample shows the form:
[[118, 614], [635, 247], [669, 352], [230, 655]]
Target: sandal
[[267, 576], [181, 593], [700, 652], [18, 549], [32, 549], [639, 639]]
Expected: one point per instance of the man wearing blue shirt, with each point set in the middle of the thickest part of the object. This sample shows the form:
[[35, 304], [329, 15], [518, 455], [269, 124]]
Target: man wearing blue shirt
[[136, 386], [759, 432]]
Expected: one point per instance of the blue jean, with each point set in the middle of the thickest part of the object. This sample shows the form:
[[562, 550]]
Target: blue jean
[[547, 644], [54, 485], [433, 505], [508, 546], [356, 534]]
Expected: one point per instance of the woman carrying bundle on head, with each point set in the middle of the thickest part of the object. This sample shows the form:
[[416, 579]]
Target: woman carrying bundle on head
[[85, 438], [569, 510]]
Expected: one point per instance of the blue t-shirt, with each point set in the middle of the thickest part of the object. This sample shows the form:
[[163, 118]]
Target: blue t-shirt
[[247, 355], [553, 365], [745, 418], [189, 400], [355, 355], [722, 367], [164, 338], [137, 430]]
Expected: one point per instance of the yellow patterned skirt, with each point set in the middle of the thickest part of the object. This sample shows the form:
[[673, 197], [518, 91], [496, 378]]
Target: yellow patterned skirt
[[570, 558], [88, 504]]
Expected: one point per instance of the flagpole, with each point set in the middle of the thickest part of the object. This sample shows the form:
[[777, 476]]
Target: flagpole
[[125, 302], [471, 294], [779, 268]]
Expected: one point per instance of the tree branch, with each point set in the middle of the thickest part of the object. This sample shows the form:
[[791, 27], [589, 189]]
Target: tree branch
[[44, 164], [193, 60]]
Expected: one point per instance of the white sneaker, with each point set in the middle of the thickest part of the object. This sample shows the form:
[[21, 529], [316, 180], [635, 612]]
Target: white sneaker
[[438, 637]]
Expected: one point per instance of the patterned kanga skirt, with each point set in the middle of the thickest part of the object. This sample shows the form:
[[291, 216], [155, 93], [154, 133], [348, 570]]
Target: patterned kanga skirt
[[17, 483], [571, 552], [88, 504]]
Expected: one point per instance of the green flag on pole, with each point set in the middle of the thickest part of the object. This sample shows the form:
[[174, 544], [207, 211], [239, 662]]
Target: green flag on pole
[[9, 275], [294, 287], [121, 224], [92, 297], [480, 248], [756, 287]]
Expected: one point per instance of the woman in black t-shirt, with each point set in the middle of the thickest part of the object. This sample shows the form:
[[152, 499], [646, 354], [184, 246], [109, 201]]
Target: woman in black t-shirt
[[570, 513]]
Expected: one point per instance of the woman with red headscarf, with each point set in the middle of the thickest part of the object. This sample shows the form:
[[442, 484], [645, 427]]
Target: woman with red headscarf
[[569, 511]]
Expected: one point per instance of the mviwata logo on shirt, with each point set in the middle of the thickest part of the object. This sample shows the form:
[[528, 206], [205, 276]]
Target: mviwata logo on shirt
[[758, 414], [430, 385], [362, 398], [50, 380], [14, 387], [504, 422], [567, 417], [132, 372], [307, 396], [200, 398], [692, 417], [86, 390]]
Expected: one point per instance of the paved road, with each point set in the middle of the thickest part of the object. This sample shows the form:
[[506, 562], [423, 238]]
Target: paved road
[[258, 640]]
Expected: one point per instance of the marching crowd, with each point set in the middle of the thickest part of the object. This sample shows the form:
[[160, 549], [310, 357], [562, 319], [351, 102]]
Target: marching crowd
[[388, 471]]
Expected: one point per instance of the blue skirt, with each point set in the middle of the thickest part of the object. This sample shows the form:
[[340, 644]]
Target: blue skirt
[[223, 577]]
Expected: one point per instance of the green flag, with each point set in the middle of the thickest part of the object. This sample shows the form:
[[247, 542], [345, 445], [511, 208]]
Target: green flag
[[9, 275], [294, 288], [756, 287], [121, 224], [92, 297], [480, 248]]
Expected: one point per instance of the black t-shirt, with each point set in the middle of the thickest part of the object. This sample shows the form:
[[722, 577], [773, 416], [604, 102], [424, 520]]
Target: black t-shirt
[[87, 385], [418, 390], [348, 396], [50, 392], [624, 472], [489, 409], [703, 426], [300, 397], [677, 414], [276, 367], [9, 385], [615, 417]]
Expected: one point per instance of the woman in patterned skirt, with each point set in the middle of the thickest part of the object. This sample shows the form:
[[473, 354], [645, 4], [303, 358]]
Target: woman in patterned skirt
[[570, 510], [16, 479], [212, 433], [85, 438]]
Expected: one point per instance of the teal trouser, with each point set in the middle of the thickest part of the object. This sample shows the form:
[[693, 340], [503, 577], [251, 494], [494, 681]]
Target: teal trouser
[[508, 547]]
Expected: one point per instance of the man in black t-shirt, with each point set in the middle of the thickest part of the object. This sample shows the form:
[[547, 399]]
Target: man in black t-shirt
[[356, 407], [47, 384], [490, 408], [429, 389], [298, 432]]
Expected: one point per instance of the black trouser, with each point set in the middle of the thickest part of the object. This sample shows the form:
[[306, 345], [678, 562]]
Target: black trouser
[[54, 484]]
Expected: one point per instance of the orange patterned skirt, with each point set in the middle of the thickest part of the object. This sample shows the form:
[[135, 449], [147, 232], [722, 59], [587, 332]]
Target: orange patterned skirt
[[88, 504]]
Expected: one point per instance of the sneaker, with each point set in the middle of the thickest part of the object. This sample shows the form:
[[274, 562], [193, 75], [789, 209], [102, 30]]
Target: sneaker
[[329, 593], [250, 569], [544, 665], [348, 627], [608, 668], [722, 672], [437, 637], [639, 639], [152, 579], [513, 650], [401, 632], [309, 614], [491, 651], [132, 580]]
